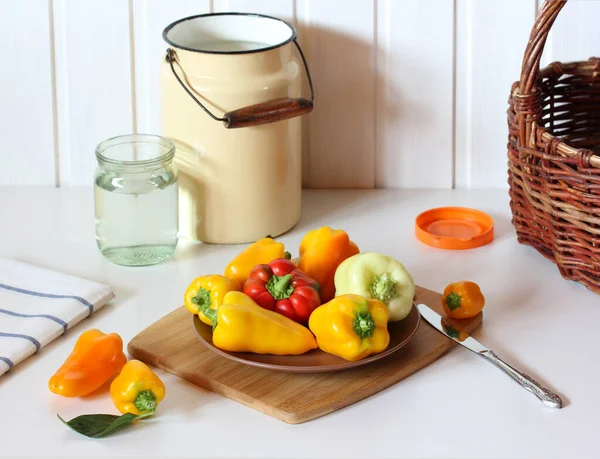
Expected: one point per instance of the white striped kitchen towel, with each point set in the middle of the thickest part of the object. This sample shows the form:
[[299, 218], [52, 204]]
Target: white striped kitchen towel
[[37, 305]]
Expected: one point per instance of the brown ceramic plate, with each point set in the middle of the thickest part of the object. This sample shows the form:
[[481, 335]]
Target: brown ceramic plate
[[314, 361]]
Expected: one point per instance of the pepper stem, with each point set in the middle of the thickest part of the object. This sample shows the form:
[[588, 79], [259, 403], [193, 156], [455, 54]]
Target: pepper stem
[[383, 288], [210, 314], [453, 301], [279, 286], [204, 302], [145, 401], [363, 324], [202, 299]]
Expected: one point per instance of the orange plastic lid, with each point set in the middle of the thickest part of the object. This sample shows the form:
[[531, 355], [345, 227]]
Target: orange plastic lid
[[454, 228]]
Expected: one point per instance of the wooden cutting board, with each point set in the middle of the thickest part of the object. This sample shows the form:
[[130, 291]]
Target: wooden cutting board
[[172, 345]]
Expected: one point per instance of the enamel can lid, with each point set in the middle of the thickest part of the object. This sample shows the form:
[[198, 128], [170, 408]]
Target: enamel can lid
[[454, 228]]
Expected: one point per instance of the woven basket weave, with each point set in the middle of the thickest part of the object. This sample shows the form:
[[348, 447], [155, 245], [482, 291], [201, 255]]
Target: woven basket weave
[[554, 157]]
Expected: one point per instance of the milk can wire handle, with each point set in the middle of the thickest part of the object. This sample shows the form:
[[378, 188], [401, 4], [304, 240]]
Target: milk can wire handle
[[254, 115]]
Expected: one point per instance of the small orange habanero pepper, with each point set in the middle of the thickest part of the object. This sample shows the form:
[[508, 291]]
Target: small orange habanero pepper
[[463, 300], [96, 357]]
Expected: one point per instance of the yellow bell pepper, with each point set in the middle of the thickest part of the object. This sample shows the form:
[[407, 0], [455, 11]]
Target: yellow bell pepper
[[261, 252], [243, 326], [351, 327], [137, 389], [321, 252], [205, 294]]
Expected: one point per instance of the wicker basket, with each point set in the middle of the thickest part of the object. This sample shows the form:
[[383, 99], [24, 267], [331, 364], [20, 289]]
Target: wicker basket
[[554, 157]]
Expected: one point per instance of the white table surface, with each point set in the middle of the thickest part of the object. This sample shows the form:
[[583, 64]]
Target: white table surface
[[458, 407]]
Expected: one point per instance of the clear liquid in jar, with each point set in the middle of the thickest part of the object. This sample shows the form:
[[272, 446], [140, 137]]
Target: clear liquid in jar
[[136, 223]]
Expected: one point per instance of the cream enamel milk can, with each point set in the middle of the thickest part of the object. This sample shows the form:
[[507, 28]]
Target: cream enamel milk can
[[230, 96]]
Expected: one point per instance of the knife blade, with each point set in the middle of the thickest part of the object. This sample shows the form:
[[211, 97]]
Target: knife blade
[[441, 324]]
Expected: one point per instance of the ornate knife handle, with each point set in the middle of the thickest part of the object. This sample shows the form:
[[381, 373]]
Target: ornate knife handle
[[548, 397]]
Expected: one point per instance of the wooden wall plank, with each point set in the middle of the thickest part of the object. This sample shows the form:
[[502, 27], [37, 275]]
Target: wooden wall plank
[[574, 36], [93, 81], [338, 41], [383, 74], [491, 39], [415, 93], [150, 17], [26, 106], [283, 9]]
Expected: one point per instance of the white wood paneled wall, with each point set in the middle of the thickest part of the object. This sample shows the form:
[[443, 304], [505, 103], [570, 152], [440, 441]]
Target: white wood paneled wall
[[409, 93]]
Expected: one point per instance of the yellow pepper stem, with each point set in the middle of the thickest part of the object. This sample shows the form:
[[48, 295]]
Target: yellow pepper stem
[[211, 314], [203, 300], [363, 324], [145, 401]]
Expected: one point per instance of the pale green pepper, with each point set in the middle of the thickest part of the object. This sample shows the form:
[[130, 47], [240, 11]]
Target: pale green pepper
[[374, 275]]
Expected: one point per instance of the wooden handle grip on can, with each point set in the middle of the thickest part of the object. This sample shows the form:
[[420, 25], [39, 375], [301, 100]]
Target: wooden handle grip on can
[[255, 115], [267, 112]]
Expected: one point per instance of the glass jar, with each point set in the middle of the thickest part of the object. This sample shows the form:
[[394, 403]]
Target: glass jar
[[136, 199]]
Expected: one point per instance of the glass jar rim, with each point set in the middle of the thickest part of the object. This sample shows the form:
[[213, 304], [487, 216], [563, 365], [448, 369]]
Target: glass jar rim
[[160, 159]]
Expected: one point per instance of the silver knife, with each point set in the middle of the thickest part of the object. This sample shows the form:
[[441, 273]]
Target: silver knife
[[549, 398]]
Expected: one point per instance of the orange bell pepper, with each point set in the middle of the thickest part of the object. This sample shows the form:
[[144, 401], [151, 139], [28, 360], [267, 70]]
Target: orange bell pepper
[[463, 300], [96, 357], [321, 252]]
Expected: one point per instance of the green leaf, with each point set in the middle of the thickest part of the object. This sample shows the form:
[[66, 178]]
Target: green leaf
[[100, 425]]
